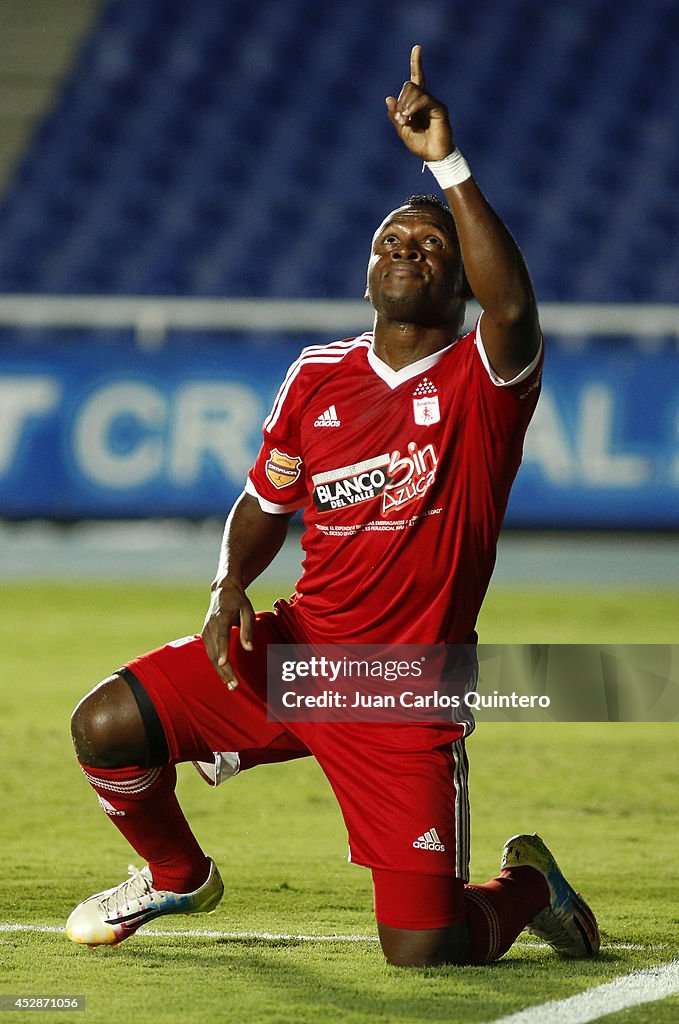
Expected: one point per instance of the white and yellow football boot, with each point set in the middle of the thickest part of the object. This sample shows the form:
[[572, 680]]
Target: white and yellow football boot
[[566, 923], [109, 917]]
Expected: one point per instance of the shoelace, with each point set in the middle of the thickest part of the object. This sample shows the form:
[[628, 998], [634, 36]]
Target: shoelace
[[135, 888]]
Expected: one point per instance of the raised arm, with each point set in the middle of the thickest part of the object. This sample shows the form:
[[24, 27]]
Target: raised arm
[[492, 261], [252, 539]]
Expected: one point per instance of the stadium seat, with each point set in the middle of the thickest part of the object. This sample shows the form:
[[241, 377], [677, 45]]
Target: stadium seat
[[231, 148]]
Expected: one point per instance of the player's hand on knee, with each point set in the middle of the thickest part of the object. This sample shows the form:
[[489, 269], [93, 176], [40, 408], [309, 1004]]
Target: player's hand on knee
[[229, 607], [421, 121]]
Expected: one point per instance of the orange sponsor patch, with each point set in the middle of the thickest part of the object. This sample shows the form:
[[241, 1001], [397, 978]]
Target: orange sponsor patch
[[281, 469]]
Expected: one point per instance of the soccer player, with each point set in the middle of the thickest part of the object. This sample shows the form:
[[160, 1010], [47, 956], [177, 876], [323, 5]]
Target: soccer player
[[400, 446]]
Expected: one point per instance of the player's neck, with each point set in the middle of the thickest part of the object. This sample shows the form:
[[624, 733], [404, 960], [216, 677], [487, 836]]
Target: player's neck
[[400, 344]]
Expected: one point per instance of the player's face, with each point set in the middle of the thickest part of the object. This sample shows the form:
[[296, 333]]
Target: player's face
[[414, 273]]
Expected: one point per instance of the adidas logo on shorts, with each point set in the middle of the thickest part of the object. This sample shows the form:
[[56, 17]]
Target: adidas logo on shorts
[[429, 841]]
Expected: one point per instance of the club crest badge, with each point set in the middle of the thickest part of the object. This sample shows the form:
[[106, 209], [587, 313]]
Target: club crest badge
[[281, 469], [426, 404]]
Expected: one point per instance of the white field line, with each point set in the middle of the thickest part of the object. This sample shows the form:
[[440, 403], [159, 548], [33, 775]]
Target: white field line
[[635, 989], [209, 933], [201, 933]]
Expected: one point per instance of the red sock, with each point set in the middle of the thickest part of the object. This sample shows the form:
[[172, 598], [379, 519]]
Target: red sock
[[141, 803], [500, 909]]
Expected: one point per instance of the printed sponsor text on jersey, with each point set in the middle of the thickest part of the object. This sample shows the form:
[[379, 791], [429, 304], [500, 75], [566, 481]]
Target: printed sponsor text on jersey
[[397, 479]]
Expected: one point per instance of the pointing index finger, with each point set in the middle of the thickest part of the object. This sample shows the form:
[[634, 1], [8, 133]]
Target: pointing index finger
[[416, 72]]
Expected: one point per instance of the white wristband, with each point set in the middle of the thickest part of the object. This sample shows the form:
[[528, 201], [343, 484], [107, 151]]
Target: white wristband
[[452, 170]]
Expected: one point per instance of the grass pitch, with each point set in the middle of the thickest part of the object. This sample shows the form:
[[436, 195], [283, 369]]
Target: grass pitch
[[602, 795]]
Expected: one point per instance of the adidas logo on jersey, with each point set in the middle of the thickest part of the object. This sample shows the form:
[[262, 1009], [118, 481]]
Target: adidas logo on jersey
[[429, 841], [328, 418]]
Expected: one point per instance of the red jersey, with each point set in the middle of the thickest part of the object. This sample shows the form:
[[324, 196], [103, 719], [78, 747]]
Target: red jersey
[[404, 477]]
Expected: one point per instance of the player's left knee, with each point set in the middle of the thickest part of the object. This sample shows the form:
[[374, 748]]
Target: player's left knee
[[417, 959], [404, 947]]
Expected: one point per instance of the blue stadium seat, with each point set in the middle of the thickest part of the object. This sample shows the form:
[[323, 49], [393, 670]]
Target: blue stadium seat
[[233, 148]]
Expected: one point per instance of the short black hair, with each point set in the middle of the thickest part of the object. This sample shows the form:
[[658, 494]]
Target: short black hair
[[444, 211], [431, 200]]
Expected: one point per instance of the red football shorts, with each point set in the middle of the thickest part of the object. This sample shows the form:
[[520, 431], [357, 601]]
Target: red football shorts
[[402, 788]]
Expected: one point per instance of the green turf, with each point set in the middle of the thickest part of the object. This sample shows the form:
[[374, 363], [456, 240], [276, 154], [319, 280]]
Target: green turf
[[603, 795], [580, 617]]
